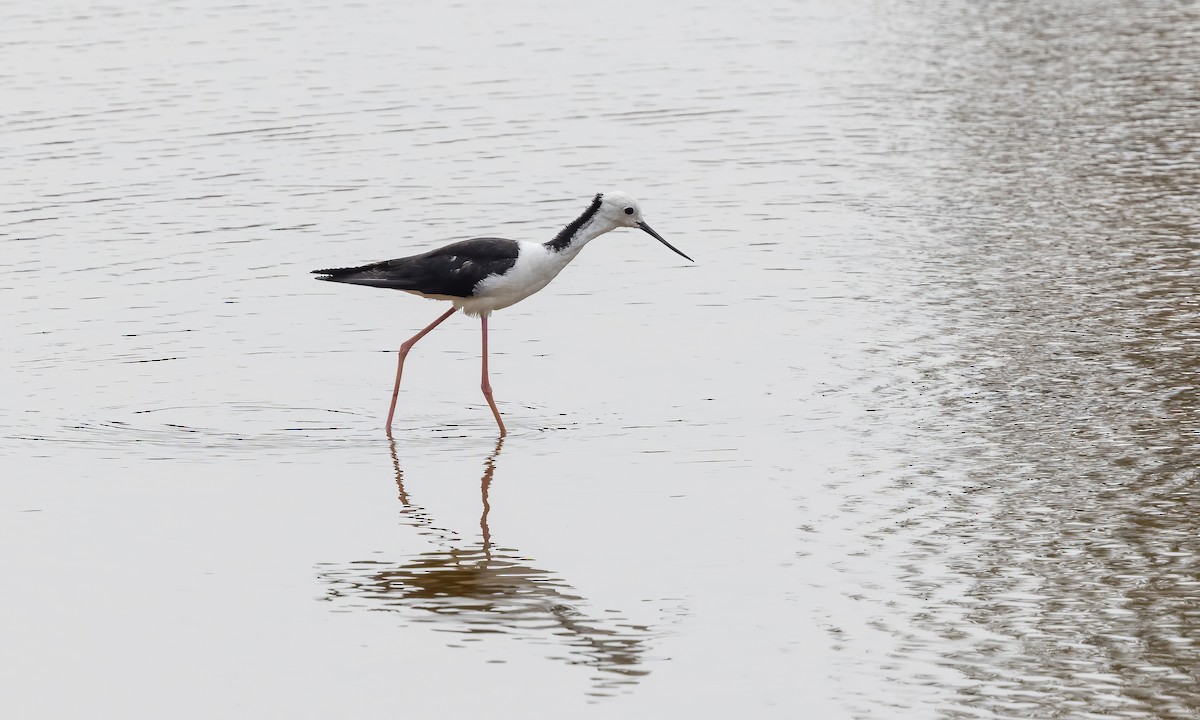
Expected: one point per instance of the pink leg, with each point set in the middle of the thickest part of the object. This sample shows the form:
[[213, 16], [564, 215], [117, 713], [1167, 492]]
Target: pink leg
[[404, 353], [487, 386]]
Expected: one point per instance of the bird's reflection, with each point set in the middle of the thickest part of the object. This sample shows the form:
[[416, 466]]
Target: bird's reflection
[[478, 589]]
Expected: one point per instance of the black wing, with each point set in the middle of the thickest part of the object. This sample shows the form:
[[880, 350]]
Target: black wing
[[454, 269]]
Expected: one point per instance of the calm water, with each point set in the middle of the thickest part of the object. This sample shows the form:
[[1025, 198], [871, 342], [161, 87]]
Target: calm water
[[917, 436]]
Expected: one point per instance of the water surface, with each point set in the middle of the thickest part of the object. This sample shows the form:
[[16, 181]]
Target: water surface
[[916, 436]]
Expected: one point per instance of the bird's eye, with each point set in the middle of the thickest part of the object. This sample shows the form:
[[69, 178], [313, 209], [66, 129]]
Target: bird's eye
[[628, 211]]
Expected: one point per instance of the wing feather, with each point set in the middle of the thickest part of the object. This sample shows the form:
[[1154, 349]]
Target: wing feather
[[453, 269]]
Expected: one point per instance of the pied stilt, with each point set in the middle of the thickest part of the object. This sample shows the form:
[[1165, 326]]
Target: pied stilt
[[485, 274]]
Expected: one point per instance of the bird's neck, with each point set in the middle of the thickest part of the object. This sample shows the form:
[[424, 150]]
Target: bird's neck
[[582, 230]]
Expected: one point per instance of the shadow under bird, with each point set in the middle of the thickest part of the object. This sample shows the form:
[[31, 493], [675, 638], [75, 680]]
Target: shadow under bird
[[481, 275]]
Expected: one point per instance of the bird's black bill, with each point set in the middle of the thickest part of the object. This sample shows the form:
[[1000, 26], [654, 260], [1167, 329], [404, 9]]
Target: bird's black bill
[[659, 238]]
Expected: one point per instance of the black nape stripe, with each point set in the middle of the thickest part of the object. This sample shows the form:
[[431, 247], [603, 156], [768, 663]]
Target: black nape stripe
[[563, 238]]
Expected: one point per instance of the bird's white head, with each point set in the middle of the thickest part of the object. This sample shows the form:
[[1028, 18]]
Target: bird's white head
[[618, 209]]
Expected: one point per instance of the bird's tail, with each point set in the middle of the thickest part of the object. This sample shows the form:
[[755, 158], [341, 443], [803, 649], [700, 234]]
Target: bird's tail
[[335, 273]]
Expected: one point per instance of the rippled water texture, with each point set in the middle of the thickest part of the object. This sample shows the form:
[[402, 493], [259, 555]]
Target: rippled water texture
[[916, 436]]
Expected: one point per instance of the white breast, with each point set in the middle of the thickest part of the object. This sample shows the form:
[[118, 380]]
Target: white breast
[[535, 268]]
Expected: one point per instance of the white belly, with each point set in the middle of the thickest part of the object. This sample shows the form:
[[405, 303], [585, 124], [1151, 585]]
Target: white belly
[[535, 268]]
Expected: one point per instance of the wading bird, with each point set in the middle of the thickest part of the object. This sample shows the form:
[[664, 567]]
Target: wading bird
[[485, 274]]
